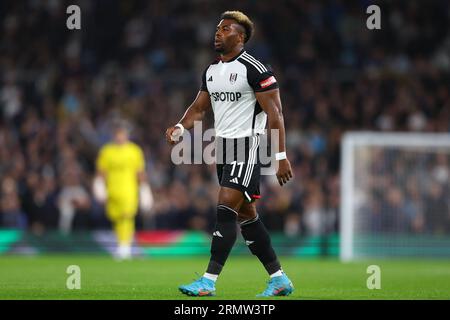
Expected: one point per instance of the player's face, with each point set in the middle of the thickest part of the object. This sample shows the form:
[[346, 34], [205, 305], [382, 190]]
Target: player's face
[[227, 36], [120, 136]]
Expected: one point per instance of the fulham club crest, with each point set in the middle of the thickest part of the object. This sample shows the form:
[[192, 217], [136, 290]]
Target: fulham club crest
[[233, 77]]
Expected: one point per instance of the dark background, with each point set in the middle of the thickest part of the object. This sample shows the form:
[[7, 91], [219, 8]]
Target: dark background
[[142, 60]]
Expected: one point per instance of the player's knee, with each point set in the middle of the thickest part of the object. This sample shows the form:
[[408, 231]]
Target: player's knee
[[231, 198], [243, 217], [247, 213]]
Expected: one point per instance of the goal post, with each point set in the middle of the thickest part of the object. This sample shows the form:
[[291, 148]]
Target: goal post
[[395, 195]]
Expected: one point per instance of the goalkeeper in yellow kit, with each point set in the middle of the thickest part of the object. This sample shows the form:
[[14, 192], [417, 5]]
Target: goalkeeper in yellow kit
[[120, 184]]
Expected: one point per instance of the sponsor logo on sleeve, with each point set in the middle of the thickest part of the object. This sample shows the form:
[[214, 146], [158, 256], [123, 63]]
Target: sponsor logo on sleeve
[[267, 82]]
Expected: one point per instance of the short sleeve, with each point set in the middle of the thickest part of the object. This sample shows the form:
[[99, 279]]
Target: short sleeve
[[259, 76], [203, 86]]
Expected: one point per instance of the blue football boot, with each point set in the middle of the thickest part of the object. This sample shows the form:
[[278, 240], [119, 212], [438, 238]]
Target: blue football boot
[[278, 286], [199, 288]]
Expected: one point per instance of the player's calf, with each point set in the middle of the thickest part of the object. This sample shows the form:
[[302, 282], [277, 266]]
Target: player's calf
[[258, 241]]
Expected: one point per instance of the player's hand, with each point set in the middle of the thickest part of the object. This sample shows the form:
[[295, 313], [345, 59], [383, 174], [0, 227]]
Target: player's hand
[[284, 173], [169, 133]]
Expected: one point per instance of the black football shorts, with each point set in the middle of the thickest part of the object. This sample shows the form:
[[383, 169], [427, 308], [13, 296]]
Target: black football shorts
[[238, 165]]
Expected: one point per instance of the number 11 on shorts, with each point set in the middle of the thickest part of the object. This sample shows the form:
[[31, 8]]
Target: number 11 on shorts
[[240, 164]]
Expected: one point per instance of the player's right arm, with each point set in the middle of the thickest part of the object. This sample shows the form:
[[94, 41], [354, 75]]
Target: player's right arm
[[195, 112]]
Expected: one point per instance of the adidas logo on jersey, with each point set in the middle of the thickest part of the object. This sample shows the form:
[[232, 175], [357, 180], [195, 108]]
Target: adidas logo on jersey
[[217, 234], [235, 180], [210, 78]]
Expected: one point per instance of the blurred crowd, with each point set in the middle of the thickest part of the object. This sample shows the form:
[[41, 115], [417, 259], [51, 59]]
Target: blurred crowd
[[392, 200], [142, 60]]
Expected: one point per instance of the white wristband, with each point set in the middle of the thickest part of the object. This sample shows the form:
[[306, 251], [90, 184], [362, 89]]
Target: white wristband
[[176, 134], [280, 156], [179, 125]]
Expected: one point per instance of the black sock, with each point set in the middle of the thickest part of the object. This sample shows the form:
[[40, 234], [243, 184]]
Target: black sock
[[258, 241], [223, 240]]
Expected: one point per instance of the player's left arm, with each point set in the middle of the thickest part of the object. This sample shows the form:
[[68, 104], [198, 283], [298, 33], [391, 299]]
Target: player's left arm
[[270, 102]]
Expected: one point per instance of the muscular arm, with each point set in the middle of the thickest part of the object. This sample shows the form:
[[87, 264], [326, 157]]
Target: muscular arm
[[195, 112], [271, 104]]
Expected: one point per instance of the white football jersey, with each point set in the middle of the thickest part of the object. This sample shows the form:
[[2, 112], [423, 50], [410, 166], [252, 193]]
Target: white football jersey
[[231, 86]]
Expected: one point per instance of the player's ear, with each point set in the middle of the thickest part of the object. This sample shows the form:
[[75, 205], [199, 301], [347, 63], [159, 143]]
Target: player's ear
[[241, 33], [242, 36]]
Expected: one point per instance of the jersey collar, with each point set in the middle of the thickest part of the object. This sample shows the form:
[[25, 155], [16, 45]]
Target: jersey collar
[[234, 58]]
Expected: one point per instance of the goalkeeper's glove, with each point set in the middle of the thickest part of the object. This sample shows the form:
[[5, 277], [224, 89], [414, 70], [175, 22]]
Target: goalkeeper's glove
[[145, 197], [99, 189]]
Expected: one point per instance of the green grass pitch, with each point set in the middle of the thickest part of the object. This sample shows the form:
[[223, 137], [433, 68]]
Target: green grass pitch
[[44, 277]]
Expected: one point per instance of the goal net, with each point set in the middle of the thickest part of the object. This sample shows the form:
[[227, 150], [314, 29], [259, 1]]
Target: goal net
[[395, 195]]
